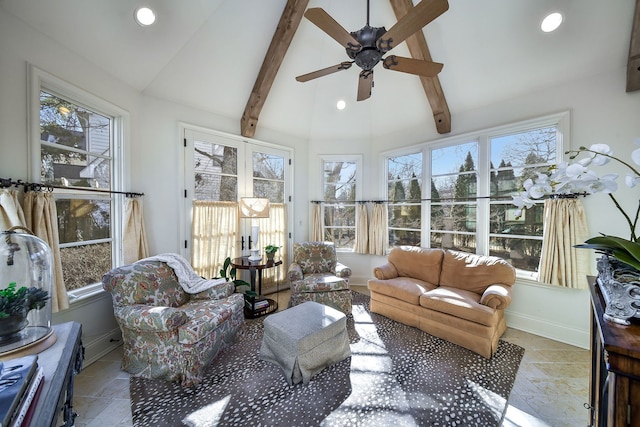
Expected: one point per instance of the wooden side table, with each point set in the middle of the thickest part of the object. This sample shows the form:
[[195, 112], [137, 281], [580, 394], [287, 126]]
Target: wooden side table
[[255, 270]]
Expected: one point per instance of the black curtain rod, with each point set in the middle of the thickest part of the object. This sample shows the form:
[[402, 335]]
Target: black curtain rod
[[463, 199], [36, 186]]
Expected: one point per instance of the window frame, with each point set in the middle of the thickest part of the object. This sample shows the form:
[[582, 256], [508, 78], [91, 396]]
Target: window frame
[[354, 158], [561, 120], [39, 80]]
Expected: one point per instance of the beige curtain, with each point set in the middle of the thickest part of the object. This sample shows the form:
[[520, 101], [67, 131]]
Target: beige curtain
[[134, 237], [362, 229], [42, 218], [11, 214], [315, 234], [378, 230], [565, 225], [273, 231], [214, 232]]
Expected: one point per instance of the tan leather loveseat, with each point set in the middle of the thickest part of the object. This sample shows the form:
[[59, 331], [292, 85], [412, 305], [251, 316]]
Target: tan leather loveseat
[[456, 296]]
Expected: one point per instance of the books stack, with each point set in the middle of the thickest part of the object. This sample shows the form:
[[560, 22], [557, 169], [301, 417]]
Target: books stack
[[259, 305], [21, 383]]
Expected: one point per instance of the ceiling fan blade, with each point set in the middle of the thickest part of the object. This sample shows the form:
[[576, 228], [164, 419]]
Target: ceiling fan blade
[[365, 83], [423, 13], [329, 25], [412, 66], [325, 71]]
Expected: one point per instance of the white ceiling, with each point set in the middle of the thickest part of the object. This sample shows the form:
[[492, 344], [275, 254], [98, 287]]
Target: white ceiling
[[207, 53]]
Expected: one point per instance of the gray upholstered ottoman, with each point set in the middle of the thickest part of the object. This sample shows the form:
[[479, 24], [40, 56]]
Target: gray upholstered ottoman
[[305, 339]]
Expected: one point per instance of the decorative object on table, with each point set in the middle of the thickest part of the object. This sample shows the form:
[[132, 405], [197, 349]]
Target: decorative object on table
[[572, 178], [397, 375], [620, 286], [26, 279], [15, 379], [271, 250], [254, 208]]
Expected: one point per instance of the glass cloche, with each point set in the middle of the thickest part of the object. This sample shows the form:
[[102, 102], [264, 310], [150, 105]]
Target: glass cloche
[[26, 278]]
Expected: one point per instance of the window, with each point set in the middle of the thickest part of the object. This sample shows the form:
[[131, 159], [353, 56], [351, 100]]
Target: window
[[340, 190], [471, 180], [404, 193], [74, 148]]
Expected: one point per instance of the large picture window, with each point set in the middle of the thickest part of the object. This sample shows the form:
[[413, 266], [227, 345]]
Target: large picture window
[[340, 189], [471, 181], [75, 147]]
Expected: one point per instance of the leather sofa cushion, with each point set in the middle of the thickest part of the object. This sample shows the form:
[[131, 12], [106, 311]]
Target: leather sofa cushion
[[403, 288], [420, 263], [459, 303], [475, 273]]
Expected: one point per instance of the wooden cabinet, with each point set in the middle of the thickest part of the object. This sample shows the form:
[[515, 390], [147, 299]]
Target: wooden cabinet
[[615, 371]]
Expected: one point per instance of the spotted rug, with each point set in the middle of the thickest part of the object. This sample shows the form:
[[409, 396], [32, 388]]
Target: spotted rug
[[397, 375]]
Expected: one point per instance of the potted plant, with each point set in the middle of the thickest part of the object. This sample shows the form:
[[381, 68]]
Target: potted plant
[[271, 250], [16, 304]]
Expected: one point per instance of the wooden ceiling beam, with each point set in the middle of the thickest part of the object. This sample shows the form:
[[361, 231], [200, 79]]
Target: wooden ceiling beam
[[633, 64], [419, 50], [287, 26]]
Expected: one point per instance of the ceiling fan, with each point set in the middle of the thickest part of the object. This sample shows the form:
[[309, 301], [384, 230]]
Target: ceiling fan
[[367, 46]]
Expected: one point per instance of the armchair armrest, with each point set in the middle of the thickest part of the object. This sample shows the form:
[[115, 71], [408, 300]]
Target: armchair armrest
[[219, 291], [294, 272], [150, 318], [343, 271], [385, 271], [497, 297]]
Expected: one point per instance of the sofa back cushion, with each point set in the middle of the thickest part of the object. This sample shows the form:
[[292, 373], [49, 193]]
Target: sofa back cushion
[[475, 273], [145, 282], [419, 263]]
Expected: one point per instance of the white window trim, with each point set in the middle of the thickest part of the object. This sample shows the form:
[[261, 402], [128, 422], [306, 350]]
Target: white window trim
[[562, 120], [38, 80], [357, 159]]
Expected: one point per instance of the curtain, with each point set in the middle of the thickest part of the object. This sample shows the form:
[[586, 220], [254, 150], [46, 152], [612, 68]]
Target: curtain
[[316, 223], [11, 214], [565, 225], [362, 229], [134, 237], [273, 231], [378, 230], [214, 232], [42, 218]]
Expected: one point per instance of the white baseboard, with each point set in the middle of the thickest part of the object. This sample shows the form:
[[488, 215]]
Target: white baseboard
[[101, 345], [546, 329]]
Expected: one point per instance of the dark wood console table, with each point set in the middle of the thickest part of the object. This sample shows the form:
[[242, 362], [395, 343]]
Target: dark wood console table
[[615, 368]]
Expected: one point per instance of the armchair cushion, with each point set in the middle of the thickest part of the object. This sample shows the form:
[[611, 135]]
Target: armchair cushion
[[315, 257], [149, 318]]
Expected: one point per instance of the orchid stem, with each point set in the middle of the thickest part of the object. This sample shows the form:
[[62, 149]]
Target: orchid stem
[[632, 225]]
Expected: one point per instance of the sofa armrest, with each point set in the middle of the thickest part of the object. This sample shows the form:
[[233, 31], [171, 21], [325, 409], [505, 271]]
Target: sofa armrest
[[385, 271], [218, 291], [150, 318], [343, 271], [294, 272], [497, 297]]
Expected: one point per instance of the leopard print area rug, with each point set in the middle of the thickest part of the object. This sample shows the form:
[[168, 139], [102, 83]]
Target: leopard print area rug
[[396, 375]]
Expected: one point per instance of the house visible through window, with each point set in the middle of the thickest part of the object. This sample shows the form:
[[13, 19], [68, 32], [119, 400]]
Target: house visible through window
[[76, 152], [471, 180]]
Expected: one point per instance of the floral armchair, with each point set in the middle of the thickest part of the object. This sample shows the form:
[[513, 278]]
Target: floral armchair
[[169, 334], [316, 275]]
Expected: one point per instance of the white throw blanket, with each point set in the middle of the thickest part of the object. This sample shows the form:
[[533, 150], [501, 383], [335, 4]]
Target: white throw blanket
[[188, 279]]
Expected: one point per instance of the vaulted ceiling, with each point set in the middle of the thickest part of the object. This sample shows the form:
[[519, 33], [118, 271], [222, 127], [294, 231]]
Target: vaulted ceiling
[[207, 54]]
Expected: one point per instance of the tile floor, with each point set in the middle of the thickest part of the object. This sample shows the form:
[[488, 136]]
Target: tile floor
[[551, 388]]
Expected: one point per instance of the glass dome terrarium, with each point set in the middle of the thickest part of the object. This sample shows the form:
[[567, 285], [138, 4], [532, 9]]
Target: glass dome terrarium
[[26, 278]]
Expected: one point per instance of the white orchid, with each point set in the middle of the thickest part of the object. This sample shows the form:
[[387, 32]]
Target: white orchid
[[573, 178]]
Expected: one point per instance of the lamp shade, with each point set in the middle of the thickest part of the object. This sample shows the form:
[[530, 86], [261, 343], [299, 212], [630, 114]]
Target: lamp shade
[[254, 207]]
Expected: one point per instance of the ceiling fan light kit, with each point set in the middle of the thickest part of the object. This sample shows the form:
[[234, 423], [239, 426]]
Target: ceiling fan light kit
[[367, 46]]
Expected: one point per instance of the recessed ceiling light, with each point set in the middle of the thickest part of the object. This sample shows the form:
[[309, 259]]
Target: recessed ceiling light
[[144, 16], [551, 22], [341, 105]]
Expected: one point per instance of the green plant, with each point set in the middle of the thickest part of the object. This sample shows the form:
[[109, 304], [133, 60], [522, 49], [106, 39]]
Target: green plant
[[229, 272], [22, 301], [271, 249]]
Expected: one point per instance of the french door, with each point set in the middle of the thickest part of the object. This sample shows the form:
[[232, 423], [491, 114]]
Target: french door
[[219, 170]]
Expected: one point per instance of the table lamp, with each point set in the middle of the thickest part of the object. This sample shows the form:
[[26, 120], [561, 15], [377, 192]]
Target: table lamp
[[254, 208]]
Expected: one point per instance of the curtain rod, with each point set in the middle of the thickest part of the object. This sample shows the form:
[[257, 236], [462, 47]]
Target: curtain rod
[[447, 199], [36, 186]]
